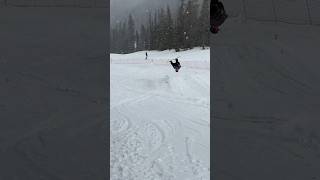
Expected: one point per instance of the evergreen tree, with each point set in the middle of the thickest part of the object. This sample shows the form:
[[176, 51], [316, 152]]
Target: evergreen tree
[[154, 32], [131, 34], [204, 21], [180, 28], [169, 30], [137, 42], [116, 41], [124, 39], [143, 37], [149, 32], [162, 30], [191, 14]]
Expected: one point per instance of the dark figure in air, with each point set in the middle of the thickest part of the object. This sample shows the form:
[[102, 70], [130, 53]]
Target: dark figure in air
[[176, 65], [146, 55], [217, 15]]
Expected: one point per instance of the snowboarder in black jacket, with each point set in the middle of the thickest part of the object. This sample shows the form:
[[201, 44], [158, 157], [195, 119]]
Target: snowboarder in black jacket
[[217, 15], [176, 65]]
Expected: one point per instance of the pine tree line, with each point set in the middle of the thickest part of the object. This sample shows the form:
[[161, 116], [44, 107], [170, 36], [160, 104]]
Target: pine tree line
[[188, 29]]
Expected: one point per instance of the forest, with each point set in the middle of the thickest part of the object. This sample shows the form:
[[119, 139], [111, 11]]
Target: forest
[[187, 29]]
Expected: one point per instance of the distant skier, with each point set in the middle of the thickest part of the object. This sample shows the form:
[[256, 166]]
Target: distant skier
[[176, 65], [217, 15], [146, 55]]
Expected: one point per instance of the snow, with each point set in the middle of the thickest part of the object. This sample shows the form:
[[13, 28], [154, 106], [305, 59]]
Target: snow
[[193, 58], [159, 118]]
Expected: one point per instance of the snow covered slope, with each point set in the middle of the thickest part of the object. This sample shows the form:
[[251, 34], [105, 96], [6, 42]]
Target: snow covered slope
[[159, 118]]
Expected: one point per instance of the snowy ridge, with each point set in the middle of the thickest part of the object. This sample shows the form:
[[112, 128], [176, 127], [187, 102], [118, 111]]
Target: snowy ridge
[[159, 118]]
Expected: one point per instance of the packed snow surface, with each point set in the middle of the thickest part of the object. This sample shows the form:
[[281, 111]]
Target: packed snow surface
[[160, 119]]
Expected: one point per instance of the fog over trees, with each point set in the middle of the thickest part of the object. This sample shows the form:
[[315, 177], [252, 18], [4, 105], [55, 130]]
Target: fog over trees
[[120, 9], [166, 27]]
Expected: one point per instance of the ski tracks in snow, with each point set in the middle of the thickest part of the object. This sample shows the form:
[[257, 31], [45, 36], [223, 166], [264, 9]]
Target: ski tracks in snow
[[159, 123]]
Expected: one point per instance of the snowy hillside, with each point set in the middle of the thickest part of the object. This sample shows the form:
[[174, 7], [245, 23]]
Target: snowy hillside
[[159, 118]]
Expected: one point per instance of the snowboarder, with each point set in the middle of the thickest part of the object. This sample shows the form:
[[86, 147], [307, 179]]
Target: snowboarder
[[176, 65], [217, 15], [146, 55]]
